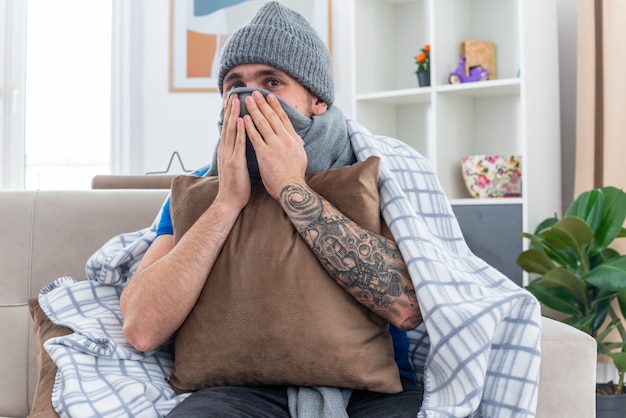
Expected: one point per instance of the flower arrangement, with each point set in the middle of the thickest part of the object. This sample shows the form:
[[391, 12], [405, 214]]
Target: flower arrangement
[[423, 60]]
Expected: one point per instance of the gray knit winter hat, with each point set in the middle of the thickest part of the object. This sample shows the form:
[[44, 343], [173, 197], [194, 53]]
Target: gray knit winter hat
[[280, 37]]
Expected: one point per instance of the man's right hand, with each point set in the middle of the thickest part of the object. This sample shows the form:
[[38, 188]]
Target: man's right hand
[[169, 279], [234, 179]]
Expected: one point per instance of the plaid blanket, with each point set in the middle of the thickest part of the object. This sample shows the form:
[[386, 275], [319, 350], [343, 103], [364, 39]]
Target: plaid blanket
[[477, 352], [99, 373]]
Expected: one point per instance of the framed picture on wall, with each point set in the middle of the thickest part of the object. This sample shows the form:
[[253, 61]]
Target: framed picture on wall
[[199, 29]]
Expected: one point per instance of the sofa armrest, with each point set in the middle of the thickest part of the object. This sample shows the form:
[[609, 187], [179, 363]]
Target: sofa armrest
[[567, 381]]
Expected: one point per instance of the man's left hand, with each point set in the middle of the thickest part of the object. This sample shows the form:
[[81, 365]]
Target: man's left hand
[[279, 150]]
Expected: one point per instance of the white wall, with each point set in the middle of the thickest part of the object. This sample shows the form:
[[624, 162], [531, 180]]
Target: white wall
[[183, 122]]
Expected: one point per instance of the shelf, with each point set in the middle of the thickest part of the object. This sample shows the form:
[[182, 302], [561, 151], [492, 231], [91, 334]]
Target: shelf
[[490, 201], [422, 95], [418, 95], [480, 89]]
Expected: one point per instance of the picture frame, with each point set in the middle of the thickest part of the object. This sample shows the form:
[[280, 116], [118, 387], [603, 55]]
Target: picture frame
[[199, 29]]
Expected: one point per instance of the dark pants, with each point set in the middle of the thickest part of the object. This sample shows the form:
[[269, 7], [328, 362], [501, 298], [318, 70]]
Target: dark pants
[[271, 402]]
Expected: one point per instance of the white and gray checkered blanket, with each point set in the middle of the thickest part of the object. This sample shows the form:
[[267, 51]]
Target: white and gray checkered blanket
[[477, 352]]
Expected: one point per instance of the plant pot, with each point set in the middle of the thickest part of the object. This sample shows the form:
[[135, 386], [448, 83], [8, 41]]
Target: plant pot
[[423, 79], [611, 406]]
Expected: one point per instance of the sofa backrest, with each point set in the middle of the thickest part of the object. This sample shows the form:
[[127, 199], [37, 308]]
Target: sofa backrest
[[45, 235], [120, 181]]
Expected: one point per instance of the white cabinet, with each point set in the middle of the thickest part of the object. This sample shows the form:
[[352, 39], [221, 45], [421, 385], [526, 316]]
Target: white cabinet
[[517, 113]]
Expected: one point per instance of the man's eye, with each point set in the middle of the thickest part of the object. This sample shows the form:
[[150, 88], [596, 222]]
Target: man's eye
[[234, 86], [273, 83]]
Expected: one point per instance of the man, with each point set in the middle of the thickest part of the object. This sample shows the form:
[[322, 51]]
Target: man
[[280, 53]]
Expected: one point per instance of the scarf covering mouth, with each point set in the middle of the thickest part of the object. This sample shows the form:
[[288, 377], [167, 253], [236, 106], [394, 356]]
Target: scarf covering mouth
[[325, 137]]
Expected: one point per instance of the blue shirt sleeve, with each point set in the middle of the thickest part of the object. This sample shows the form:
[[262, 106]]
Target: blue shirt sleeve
[[401, 352], [165, 223]]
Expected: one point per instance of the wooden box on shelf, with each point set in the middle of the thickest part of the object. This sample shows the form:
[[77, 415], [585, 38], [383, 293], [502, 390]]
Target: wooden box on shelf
[[481, 53]]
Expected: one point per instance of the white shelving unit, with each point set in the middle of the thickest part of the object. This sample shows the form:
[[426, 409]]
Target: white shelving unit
[[517, 113]]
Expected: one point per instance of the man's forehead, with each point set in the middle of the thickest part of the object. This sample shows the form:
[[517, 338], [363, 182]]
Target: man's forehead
[[257, 70]]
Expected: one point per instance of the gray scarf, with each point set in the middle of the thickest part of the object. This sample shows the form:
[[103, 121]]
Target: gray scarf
[[325, 137]]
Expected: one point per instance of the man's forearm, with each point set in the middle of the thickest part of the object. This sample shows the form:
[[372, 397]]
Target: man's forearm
[[159, 297], [367, 265]]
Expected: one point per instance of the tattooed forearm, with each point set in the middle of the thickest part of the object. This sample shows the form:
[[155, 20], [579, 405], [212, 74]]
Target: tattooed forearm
[[369, 266]]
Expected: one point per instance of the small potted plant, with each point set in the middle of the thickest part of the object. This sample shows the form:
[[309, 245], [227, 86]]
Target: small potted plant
[[581, 278], [423, 66]]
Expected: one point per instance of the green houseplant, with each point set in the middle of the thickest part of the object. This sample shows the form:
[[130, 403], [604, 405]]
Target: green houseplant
[[579, 276]]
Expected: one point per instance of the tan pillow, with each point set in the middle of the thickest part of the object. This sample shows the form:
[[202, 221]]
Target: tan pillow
[[269, 314], [44, 329]]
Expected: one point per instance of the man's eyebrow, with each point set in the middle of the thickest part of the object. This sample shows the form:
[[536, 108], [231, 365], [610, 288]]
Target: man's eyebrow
[[268, 71], [261, 73], [232, 76]]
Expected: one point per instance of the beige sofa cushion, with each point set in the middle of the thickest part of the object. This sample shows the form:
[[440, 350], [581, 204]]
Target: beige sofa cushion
[[269, 313]]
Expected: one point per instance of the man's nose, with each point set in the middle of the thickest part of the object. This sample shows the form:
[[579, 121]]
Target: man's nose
[[254, 85]]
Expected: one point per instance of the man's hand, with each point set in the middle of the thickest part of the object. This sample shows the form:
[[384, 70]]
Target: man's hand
[[279, 149], [234, 179]]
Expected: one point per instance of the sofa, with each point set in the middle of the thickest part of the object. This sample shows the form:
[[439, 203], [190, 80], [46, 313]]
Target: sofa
[[48, 234]]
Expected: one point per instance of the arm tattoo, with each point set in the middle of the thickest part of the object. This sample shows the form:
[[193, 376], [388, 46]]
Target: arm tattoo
[[367, 265]]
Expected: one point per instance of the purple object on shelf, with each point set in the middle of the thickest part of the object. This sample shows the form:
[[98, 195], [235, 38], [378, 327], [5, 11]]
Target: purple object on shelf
[[477, 73]]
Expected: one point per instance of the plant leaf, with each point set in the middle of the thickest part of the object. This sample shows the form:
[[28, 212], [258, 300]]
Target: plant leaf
[[569, 233], [605, 348], [601, 310], [621, 300], [610, 275], [584, 324], [572, 283], [535, 240], [608, 253], [566, 241], [613, 216], [535, 261], [555, 297], [565, 258], [620, 361], [588, 206], [546, 223], [613, 324], [604, 210]]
